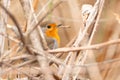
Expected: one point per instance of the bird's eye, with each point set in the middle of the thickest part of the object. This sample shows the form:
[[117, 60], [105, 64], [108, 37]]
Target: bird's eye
[[48, 27]]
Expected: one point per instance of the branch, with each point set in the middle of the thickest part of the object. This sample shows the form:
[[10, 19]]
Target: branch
[[48, 56], [16, 68], [56, 5], [94, 47], [15, 22], [15, 58], [18, 27], [42, 38], [10, 38]]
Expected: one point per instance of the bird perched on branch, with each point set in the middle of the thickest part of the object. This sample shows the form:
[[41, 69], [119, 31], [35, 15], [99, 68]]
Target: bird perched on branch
[[50, 30]]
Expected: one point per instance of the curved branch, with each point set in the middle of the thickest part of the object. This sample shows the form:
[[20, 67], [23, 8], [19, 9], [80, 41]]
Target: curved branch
[[18, 27], [95, 46]]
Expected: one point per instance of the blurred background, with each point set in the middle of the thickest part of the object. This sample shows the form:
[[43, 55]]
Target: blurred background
[[62, 14], [108, 27]]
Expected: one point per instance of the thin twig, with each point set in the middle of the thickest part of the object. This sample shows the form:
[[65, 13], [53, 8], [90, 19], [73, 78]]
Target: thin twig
[[94, 47], [89, 21], [10, 38], [16, 68], [15, 22], [98, 63], [48, 56], [18, 27], [16, 58], [19, 65], [99, 4], [56, 5], [7, 53], [75, 14], [42, 38], [88, 54], [3, 21], [40, 12], [38, 46]]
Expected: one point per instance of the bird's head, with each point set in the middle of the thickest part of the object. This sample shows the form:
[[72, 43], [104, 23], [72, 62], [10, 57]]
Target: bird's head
[[50, 30]]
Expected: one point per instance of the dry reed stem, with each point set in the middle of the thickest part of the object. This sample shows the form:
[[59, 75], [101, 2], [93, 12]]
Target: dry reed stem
[[93, 47], [3, 21], [89, 21], [98, 5], [56, 5], [25, 7], [42, 38], [8, 53], [10, 38], [40, 12], [49, 57], [71, 66], [16, 68], [92, 57], [15, 58], [75, 14], [34, 37], [18, 27], [85, 65], [78, 40], [98, 8]]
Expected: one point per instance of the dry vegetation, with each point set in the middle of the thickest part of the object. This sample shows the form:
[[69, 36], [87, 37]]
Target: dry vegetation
[[89, 48]]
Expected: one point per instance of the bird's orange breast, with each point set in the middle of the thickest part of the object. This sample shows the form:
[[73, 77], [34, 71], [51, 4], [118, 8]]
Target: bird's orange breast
[[52, 32]]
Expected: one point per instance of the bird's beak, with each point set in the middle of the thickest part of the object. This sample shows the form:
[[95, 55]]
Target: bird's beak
[[62, 26], [59, 25]]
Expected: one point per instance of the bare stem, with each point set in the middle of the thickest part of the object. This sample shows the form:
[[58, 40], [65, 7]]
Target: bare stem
[[93, 47]]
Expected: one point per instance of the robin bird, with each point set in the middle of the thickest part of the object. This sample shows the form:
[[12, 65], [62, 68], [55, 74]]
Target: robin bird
[[50, 30]]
